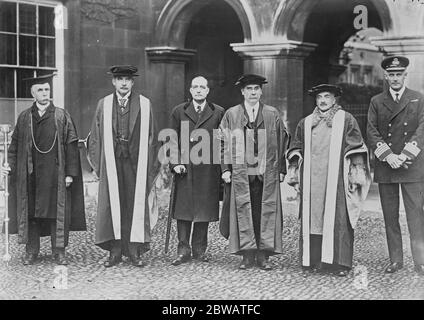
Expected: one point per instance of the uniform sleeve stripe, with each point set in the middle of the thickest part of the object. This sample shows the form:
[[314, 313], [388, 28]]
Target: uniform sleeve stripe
[[382, 151], [411, 150], [384, 155]]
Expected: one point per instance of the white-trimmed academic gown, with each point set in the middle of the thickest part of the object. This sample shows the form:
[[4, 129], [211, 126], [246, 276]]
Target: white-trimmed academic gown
[[101, 144], [342, 206]]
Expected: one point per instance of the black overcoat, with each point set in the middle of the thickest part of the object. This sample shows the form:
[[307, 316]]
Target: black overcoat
[[197, 192]]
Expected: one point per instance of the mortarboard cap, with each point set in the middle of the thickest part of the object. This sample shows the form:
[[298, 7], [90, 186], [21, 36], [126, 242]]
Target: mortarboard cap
[[47, 78]]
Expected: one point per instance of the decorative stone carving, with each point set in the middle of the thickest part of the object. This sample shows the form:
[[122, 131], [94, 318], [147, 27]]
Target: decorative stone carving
[[108, 10]]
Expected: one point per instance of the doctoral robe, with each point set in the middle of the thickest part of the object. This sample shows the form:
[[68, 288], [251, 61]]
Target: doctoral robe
[[328, 207], [236, 219], [142, 154]]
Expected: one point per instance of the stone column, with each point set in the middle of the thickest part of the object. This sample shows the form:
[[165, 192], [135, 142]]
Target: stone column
[[411, 47], [282, 63], [166, 77]]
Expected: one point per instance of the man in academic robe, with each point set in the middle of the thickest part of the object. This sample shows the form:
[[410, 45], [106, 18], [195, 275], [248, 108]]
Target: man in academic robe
[[396, 135], [121, 151], [329, 158], [46, 190], [254, 142], [197, 183]]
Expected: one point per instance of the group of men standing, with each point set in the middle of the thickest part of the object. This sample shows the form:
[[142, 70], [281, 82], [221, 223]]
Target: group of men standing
[[326, 162]]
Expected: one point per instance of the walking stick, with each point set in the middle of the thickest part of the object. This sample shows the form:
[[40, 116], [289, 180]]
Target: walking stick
[[5, 128], [170, 212]]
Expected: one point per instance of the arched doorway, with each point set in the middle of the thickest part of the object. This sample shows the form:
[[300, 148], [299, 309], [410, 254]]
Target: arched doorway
[[330, 25], [193, 37], [210, 33]]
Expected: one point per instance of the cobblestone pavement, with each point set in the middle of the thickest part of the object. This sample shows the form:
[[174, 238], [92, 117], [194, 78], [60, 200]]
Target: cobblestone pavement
[[218, 279]]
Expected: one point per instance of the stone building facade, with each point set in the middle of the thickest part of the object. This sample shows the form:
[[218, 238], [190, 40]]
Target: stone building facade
[[293, 43]]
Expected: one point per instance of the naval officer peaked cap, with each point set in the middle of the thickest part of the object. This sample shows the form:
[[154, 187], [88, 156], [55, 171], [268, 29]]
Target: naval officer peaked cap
[[395, 63]]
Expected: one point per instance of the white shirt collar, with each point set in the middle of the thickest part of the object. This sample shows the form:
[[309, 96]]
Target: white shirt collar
[[127, 96], [41, 108], [249, 109], [400, 92], [202, 105]]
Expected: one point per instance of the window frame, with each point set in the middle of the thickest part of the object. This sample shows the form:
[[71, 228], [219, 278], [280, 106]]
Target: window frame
[[59, 25]]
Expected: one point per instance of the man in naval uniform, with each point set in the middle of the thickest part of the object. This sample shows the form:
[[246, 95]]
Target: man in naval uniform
[[396, 135]]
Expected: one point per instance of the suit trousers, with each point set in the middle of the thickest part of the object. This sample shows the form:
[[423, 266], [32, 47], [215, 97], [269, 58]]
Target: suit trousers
[[256, 189], [126, 184], [413, 199], [199, 238], [34, 232]]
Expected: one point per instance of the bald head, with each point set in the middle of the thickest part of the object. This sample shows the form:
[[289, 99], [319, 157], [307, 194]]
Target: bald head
[[199, 89]]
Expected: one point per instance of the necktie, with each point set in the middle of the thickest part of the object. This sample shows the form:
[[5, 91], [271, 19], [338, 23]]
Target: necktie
[[198, 109], [397, 98], [122, 103], [253, 115]]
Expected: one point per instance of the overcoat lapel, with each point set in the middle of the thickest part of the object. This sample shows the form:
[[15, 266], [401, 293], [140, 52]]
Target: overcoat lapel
[[205, 115], [191, 113]]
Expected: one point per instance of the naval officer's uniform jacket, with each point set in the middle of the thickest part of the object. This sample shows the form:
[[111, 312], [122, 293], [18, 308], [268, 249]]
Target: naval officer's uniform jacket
[[398, 127]]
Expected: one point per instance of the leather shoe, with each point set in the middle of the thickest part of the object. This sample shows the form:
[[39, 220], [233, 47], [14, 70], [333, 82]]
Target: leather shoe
[[201, 257], [181, 259], [341, 272], [112, 261], [246, 263], [265, 265], [137, 261], [393, 267], [61, 259], [29, 259], [419, 268]]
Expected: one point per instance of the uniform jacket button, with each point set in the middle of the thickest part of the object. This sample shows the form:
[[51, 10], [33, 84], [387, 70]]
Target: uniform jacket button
[[390, 124], [405, 124], [389, 135], [406, 133], [390, 144]]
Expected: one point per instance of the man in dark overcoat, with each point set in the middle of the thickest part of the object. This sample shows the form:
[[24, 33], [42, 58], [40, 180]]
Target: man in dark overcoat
[[197, 182], [46, 190], [396, 135]]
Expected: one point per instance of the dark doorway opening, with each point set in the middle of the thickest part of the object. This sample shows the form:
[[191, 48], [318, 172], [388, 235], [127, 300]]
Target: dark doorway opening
[[330, 25], [211, 31]]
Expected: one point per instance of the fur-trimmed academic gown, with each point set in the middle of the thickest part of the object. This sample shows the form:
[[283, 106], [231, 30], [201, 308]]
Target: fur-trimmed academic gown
[[236, 218], [341, 206], [69, 202], [142, 153]]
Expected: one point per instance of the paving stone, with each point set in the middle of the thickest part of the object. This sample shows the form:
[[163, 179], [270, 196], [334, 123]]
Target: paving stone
[[218, 279]]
